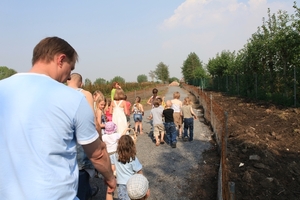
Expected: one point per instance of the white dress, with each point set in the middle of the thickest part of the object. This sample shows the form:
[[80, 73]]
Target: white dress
[[119, 117]]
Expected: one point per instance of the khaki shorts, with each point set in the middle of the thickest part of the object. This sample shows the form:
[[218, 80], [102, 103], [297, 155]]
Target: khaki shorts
[[158, 128], [177, 119]]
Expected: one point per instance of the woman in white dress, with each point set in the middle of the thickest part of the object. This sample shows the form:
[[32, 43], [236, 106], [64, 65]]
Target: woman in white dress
[[118, 110]]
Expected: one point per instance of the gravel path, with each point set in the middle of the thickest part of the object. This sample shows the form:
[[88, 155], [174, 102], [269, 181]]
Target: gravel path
[[167, 168]]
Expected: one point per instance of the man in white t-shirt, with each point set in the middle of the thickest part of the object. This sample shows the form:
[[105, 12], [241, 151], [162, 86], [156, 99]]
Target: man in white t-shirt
[[41, 122]]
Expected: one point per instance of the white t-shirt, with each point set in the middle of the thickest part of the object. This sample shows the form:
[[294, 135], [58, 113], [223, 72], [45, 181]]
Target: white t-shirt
[[111, 141], [41, 121]]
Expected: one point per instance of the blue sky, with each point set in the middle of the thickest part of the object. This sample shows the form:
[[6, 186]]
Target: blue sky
[[129, 38]]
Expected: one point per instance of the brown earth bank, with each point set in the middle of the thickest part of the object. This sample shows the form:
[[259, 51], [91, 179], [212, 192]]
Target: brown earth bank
[[263, 148]]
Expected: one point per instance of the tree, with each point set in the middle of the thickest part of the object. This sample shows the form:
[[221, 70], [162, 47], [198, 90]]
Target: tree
[[152, 75], [87, 81], [118, 79], [142, 78], [162, 72], [100, 81], [223, 64], [6, 72], [192, 68]]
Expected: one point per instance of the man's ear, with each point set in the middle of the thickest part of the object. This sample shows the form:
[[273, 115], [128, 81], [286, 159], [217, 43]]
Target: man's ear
[[60, 59]]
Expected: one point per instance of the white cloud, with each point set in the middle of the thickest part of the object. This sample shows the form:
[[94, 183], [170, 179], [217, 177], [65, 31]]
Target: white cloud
[[216, 25]]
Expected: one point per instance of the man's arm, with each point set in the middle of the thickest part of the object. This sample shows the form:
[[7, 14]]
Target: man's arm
[[97, 153]]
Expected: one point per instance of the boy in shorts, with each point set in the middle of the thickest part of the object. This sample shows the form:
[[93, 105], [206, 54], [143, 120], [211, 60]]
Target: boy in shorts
[[159, 129]]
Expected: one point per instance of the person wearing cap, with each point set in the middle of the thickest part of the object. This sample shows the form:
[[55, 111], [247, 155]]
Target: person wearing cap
[[138, 187], [126, 163], [111, 138]]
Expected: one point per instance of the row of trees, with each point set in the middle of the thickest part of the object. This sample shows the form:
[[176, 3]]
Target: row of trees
[[274, 48], [161, 73], [271, 58]]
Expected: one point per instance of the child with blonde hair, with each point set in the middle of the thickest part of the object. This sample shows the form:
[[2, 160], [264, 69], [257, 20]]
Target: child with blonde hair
[[126, 164], [97, 94], [159, 129], [176, 106], [99, 112], [188, 119]]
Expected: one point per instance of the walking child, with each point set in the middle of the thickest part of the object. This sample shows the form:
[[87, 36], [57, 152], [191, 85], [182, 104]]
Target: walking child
[[111, 138], [176, 105], [138, 187], [126, 164], [188, 119], [159, 129], [153, 97], [170, 125], [138, 113]]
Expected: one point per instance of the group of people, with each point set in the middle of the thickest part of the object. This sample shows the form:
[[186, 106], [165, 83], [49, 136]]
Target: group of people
[[168, 118], [112, 117], [53, 139]]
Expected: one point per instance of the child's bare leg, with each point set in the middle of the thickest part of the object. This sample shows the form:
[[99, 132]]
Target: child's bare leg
[[136, 126], [162, 134], [180, 130], [157, 140], [141, 127]]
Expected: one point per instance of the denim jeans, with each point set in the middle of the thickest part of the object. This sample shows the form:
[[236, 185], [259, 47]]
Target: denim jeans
[[137, 117], [188, 125], [171, 132], [82, 159], [84, 189]]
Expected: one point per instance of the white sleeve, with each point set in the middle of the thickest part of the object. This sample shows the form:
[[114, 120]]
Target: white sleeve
[[85, 129]]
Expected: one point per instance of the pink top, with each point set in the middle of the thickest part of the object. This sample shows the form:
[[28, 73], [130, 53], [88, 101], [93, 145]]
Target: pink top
[[108, 115], [128, 105]]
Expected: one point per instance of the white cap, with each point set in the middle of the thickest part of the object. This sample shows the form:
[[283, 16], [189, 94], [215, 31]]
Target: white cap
[[137, 186]]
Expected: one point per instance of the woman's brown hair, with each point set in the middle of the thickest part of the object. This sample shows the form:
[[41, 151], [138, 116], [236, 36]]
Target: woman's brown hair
[[126, 149], [119, 95]]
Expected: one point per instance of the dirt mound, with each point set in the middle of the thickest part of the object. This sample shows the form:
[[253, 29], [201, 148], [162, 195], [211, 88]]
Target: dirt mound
[[174, 83], [263, 148]]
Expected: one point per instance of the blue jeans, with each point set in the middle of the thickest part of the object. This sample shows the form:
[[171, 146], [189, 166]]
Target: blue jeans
[[137, 117], [171, 132], [188, 125], [84, 189]]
